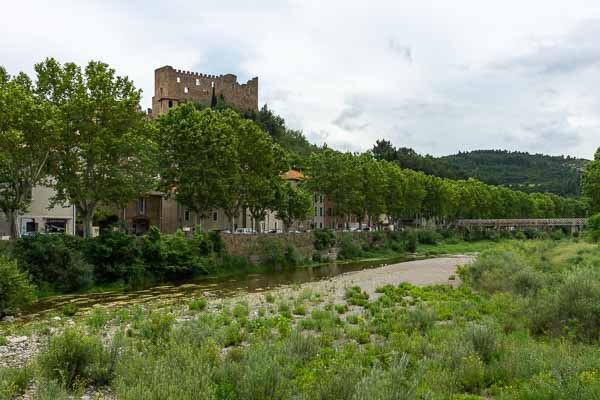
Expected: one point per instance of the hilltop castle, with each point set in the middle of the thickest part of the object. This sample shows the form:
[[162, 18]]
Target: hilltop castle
[[173, 86]]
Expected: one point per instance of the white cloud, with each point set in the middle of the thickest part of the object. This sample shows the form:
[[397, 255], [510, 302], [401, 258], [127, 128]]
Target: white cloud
[[436, 76]]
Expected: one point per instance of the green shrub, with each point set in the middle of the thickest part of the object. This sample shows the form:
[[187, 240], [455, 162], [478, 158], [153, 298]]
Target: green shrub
[[303, 347], [277, 254], [115, 255], [356, 297], [54, 261], [592, 228], [349, 248], [299, 310], [241, 311], [323, 239], [72, 356], [198, 304], [182, 371], [427, 236], [257, 375], [13, 381], [421, 318], [156, 327], [68, 310], [269, 298], [46, 389], [341, 308], [397, 382], [484, 339], [16, 289], [411, 241]]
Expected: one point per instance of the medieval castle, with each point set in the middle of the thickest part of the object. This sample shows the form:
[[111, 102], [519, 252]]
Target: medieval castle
[[173, 86]]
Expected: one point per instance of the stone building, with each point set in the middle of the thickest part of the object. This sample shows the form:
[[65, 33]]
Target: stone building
[[174, 86]]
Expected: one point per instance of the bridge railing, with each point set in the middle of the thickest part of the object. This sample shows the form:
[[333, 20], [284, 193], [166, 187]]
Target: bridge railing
[[517, 222]]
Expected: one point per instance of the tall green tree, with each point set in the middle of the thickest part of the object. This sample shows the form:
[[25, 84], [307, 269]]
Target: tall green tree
[[197, 157], [28, 131], [292, 204], [104, 153], [591, 183]]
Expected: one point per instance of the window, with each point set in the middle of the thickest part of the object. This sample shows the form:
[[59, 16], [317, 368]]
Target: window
[[329, 212], [170, 103], [178, 80], [197, 82], [315, 198], [320, 199], [215, 216], [186, 215], [321, 225], [315, 211], [161, 92], [141, 205], [321, 211], [185, 89]]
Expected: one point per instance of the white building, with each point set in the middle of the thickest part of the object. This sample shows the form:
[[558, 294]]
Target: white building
[[41, 218]]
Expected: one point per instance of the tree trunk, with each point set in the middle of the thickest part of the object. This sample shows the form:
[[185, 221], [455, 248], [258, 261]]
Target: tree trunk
[[87, 217], [11, 218]]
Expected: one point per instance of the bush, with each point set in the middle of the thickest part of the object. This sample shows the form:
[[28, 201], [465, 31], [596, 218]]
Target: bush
[[115, 255], [349, 248], [73, 357], [13, 381], [484, 339], [54, 261], [427, 236], [68, 310], [323, 239], [198, 304], [592, 228], [16, 289], [410, 244], [277, 253]]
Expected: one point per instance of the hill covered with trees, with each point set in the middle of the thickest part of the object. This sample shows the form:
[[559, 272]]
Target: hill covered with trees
[[517, 170], [521, 171]]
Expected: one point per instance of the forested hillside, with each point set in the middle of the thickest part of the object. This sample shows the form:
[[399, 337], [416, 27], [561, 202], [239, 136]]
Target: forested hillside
[[521, 171], [517, 170]]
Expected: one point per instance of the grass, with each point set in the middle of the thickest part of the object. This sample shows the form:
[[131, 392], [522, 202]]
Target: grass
[[522, 325]]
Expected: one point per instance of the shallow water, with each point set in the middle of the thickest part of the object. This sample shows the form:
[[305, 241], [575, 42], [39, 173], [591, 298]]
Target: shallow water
[[214, 287]]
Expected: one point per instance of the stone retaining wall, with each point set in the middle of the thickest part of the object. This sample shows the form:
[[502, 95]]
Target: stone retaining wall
[[252, 246]]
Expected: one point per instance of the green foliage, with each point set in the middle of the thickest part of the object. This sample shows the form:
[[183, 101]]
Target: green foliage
[[115, 255], [28, 132], [522, 171], [292, 204], [356, 297], [323, 239], [592, 228], [13, 382], [349, 247], [72, 357], [198, 304], [277, 253], [16, 289], [54, 261], [105, 151], [68, 310]]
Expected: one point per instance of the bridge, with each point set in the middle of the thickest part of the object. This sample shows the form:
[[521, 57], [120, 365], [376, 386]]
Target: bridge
[[537, 223]]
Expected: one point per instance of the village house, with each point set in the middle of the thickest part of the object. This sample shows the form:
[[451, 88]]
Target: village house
[[40, 217]]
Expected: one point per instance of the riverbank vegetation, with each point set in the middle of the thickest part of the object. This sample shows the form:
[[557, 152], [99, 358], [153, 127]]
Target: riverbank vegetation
[[522, 325], [43, 265]]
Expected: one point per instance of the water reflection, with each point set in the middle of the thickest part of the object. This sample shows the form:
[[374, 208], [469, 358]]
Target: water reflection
[[220, 287]]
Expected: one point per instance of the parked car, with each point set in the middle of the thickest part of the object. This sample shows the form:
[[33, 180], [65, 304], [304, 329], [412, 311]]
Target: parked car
[[276, 231], [244, 231]]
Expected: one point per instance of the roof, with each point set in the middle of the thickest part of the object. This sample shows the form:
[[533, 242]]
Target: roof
[[293, 175]]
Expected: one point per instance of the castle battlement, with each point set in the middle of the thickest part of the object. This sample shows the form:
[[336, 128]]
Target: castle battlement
[[173, 86]]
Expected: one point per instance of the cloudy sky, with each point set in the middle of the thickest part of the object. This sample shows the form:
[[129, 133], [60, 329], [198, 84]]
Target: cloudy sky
[[438, 76]]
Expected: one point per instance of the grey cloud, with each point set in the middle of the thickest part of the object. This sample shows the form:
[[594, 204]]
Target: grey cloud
[[405, 52], [350, 118], [577, 50]]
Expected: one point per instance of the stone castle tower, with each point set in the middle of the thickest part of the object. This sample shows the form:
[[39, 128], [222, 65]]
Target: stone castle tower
[[173, 86]]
